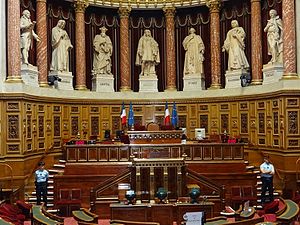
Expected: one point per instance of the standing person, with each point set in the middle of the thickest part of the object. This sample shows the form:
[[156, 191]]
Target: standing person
[[275, 37], [267, 172], [27, 34], [234, 45], [61, 45], [103, 49], [147, 55], [41, 183], [194, 47]]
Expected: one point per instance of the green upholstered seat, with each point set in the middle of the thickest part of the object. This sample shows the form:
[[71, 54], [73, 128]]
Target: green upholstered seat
[[41, 218]]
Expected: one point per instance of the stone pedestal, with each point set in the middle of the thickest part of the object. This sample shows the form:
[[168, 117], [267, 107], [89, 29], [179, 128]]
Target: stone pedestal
[[103, 83], [194, 82], [29, 75], [66, 80], [272, 72], [233, 78], [148, 84]]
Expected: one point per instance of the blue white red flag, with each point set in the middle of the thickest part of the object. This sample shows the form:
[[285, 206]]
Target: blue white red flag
[[123, 115], [167, 115]]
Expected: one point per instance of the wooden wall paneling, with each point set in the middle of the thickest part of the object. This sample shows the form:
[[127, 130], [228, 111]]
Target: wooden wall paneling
[[214, 117], [95, 120], [103, 154], [113, 154], [49, 127], [175, 152], [92, 155], [197, 152], [149, 114], [82, 154], [72, 154], [188, 151], [283, 122], [116, 124], [192, 111], [124, 153], [220, 152], [14, 128], [85, 116], [56, 125], [207, 153], [28, 135], [105, 119], [34, 127]]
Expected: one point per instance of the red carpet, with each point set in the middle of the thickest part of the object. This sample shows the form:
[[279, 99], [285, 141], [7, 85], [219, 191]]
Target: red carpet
[[72, 221]]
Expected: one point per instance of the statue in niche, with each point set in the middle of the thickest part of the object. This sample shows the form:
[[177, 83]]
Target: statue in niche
[[147, 55], [61, 45], [234, 45], [102, 53], [194, 47], [274, 36], [27, 34]]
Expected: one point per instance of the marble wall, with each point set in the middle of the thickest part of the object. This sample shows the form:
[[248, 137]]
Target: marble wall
[[2, 44]]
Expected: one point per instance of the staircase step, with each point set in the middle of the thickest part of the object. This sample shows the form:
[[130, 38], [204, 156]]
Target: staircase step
[[249, 167], [52, 210], [59, 165], [256, 171], [258, 176], [34, 198], [62, 161], [55, 171], [259, 183], [49, 193]]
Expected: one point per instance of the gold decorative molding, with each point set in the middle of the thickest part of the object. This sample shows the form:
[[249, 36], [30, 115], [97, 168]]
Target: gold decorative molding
[[124, 11], [214, 5], [169, 11], [81, 5], [147, 3]]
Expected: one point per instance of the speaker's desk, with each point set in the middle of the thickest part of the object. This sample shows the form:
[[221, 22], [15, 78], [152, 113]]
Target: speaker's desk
[[165, 214]]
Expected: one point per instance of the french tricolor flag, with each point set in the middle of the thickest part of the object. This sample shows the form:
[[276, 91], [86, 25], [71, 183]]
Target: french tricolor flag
[[167, 119], [123, 115]]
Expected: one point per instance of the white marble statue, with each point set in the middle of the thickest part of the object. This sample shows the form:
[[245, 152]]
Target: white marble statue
[[274, 35], [27, 34], [102, 53], [194, 47], [147, 55], [234, 45], [61, 45]]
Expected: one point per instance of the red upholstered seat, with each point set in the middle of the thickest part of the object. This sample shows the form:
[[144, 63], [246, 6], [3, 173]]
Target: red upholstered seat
[[271, 207]]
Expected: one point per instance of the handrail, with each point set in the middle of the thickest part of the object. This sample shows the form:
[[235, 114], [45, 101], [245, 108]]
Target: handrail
[[298, 170]]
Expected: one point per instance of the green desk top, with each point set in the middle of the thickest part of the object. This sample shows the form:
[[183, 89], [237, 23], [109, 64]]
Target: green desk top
[[3, 222], [39, 216], [81, 215], [291, 211], [217, 222]]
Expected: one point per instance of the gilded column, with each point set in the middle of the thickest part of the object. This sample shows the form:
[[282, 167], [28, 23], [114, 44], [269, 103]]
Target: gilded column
[[124, 49], [80, 6], [41, 29], [13, 41], [289, 39], [170, 43], [215, 46], [256, 50]]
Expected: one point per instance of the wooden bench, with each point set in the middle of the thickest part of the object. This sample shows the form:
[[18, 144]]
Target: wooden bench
[[84, 215], [292, 210], [39, 216]]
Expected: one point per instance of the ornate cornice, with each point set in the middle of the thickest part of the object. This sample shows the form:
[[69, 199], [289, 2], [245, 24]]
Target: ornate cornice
[[169, 11], [124, 11], [214, 5], [81, 5]]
